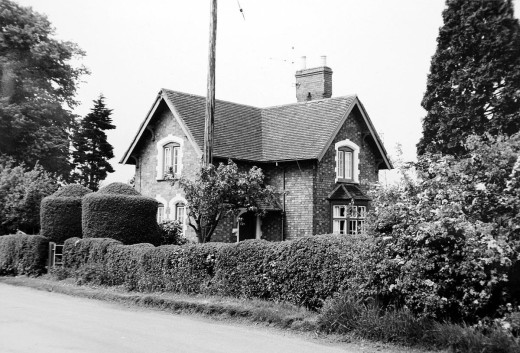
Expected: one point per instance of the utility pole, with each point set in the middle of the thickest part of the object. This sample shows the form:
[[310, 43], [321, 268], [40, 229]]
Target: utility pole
[[207, 157]]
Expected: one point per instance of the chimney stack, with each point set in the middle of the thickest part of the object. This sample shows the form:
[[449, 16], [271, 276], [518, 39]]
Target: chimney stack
[[314, 83]]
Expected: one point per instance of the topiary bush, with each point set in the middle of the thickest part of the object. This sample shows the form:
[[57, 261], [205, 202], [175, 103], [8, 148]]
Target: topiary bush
[[60, 213], [22, 254], [119, 212]]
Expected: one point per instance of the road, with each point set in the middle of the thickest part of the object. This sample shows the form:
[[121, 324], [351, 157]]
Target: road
[[37, 321]]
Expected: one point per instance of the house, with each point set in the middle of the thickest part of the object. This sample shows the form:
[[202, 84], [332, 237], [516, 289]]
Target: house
[[320, 153]]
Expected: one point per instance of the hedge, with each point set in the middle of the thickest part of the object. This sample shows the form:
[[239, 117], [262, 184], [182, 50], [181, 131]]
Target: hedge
[[60, 213], [304, 271], [127, 217], [22, 254]]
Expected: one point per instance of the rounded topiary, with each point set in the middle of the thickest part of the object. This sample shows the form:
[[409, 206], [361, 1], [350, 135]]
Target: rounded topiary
[[60, 213], [119, 212], [119, 189]]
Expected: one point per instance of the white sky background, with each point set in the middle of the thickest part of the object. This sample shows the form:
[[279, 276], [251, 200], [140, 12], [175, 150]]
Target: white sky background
[[377, 49]]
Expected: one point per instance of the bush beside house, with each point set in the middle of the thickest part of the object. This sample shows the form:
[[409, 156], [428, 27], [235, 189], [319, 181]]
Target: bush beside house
[[22, 254], [119, 212], [60, 213]]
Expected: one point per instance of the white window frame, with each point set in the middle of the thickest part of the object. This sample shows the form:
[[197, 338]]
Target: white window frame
[[340, 160], [348, 219], [162, 204], [178, 199], [161, 155]]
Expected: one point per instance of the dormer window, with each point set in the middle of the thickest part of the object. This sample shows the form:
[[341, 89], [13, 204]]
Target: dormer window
[[347, 162], [171, 159]]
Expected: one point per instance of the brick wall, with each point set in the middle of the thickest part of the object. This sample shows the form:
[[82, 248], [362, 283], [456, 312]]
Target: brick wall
[[162, 124], [316, 81], [299, 179], [353, 129]]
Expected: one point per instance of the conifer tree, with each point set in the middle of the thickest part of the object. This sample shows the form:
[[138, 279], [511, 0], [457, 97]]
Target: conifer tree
[[91, 148], [474, 81]]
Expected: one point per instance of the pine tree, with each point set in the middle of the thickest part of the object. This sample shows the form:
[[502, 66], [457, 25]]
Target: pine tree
[[91, 149], [474, 81]]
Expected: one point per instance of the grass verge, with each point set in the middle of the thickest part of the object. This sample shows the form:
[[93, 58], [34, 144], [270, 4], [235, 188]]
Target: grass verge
[[281, 315]]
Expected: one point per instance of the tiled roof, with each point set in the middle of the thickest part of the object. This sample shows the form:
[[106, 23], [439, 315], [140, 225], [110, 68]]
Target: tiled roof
[[287, 132], [347, 192]]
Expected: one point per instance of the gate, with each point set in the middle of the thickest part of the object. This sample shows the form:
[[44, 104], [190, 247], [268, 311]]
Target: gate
[[55, 255]]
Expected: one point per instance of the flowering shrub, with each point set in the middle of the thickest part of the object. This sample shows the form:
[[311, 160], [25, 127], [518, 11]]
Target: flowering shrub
[[455, 232], [171, 233]]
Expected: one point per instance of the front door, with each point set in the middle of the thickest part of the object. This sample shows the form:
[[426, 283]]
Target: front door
[[247, 227]]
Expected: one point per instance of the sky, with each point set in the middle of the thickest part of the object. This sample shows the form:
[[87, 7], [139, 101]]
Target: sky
[[377, 49]]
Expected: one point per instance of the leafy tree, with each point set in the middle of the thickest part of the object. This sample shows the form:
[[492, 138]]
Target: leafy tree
[[454, 234], [474, 81], [21, 192], [220, 191], [37, 87], [91, 148]]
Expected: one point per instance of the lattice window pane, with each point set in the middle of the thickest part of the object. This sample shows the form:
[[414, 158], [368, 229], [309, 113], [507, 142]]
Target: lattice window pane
[[341, 164]]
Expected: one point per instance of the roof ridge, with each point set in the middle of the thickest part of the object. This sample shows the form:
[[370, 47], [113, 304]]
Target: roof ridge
[[311, 101], [199, 96]]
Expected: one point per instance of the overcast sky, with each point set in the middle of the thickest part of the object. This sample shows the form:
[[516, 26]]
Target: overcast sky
[[377, 49]]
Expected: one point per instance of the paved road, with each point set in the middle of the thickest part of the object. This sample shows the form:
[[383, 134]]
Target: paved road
[[36, 321]]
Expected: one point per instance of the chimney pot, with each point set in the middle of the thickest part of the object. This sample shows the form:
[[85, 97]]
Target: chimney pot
[[323, 60], [304, 62]]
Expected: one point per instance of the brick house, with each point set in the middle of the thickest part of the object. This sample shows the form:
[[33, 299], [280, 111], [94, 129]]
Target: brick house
[[320, 154]]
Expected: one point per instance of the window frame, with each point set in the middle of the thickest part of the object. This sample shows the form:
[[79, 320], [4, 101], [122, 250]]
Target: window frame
[[161, 216], [171, 152], [162, 144], [343, 149], [348, 218]]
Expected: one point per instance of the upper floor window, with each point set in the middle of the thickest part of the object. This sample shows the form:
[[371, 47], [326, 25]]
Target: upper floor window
[[348, 219], [347, 161], [171, 159]]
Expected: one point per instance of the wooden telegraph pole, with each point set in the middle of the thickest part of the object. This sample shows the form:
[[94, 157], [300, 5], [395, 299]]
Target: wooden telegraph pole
[[207, 157]]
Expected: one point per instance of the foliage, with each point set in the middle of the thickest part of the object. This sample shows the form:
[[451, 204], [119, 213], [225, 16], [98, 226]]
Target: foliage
[[118, 189], [37, 89], [454, 236], [220, 191], [22, 254], [348, 313], [302, 272], [60, 213], [474, 81], [21, 191], [171, 233], [91, 148], [128, 218]]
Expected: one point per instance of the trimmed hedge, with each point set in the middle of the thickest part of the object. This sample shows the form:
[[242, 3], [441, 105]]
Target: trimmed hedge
[[127, 217], [22, 254], [119, 189], [304, 272], [60, 213]]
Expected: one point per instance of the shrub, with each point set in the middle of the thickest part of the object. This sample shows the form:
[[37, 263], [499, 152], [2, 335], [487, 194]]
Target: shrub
[[78, 253], [22, 254], [21, 191], [453, 235], [171, 233], [123, 264], [119, 189], [60, 213], [187, 269], [127, 217]]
